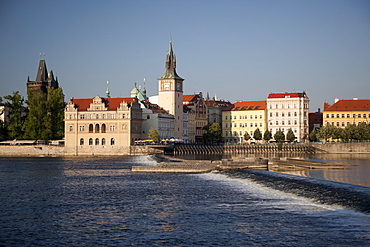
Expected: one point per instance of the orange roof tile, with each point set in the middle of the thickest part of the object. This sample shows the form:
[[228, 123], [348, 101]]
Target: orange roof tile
[[247, 106], [189, 98], [350, 105], [111, 103]]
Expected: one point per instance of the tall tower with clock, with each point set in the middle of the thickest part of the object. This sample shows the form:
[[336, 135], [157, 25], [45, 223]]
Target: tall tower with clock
[[171, 91]]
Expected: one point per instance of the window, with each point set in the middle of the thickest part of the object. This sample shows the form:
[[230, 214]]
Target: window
[[112, 141], [255, 116], [295, 122], [295, 113], [103, 141], [327, 115], [282, 122], [270, 123], [97, 116], [82, 141], [288, 122], [103, 128], [90, 141], [82, 116], [234, 124], [240, 125], [91, 128], [245, 117], [234, 117], [354, 115], [103, 116], [225, 117], [342, 123], [112, 128], [97, 128], [251, 125], [260, 124], [337, 115], [282, 114], [288, 114], [255, 125], [338, 124], [359, 115], [342, 115], [277, 114], [240, 117], [277, 122], [225, 125], [82, 128], [70, 128], [260, 116], [270, 114], [124, 116], [282, 106], [276, 106], [97, 141], [332, 115]]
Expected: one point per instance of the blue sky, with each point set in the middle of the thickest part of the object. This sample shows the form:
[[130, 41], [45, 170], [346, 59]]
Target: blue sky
[[236, 50]]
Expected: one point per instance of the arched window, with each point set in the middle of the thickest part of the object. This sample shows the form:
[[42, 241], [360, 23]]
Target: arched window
[[91, 128], [82, 141], [97, 128], [103, 128], [103, 141], [90, 141], [97, 141], [112, 141]]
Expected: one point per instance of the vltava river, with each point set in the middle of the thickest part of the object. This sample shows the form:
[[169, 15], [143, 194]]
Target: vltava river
[[99, 202]]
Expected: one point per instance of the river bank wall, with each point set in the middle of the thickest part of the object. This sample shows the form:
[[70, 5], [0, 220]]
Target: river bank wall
[[49, 150]]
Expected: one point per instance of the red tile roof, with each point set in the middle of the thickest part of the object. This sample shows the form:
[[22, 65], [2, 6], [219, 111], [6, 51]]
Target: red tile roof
[[286, 95], [350, 105], [189, 98], [247, 106], [219, 103], [111, 103]]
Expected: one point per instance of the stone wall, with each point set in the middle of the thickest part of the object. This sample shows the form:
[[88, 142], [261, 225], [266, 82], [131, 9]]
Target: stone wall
[[52, 151], [356, 147]]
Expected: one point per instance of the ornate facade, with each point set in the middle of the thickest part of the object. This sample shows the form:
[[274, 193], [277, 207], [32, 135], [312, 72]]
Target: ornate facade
[[102, 125]]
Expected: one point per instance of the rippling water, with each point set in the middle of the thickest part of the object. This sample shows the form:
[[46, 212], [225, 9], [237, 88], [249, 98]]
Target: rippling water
[[95, 202]]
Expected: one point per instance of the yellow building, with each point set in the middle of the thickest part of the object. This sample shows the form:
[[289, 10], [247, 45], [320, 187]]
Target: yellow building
[[241, 118], [346, 112], [102, 125]]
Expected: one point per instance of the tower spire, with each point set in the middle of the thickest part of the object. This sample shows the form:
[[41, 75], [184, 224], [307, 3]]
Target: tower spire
[[107, 93], [170, 64]]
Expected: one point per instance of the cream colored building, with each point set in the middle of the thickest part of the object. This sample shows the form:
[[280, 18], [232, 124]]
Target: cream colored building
[[241, 118], [345, 112], [289, 110], [102, 125]]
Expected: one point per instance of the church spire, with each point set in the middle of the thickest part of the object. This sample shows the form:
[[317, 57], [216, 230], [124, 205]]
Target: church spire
[[42, 72], [170, 65]]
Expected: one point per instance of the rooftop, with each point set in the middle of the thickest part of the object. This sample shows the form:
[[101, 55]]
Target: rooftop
[[349, 105]]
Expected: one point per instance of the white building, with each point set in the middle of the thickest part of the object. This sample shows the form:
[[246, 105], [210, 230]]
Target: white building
[[289, 110]]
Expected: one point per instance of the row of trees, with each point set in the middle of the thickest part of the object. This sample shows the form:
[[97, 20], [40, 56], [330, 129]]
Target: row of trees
[[350, 132], [42, 119], [214, 134]]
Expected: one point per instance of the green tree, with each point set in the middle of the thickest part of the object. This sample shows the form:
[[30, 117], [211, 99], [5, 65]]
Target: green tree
[[214, 132], [153, 135], [267, 135], [279, 136], [313, 135], [257, 135], [45, 117], [16, 118], [362, 131], [290, 135], [246, 136], [326, 132]]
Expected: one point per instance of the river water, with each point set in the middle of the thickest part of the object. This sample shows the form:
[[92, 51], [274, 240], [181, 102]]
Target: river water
[[99, 202]]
